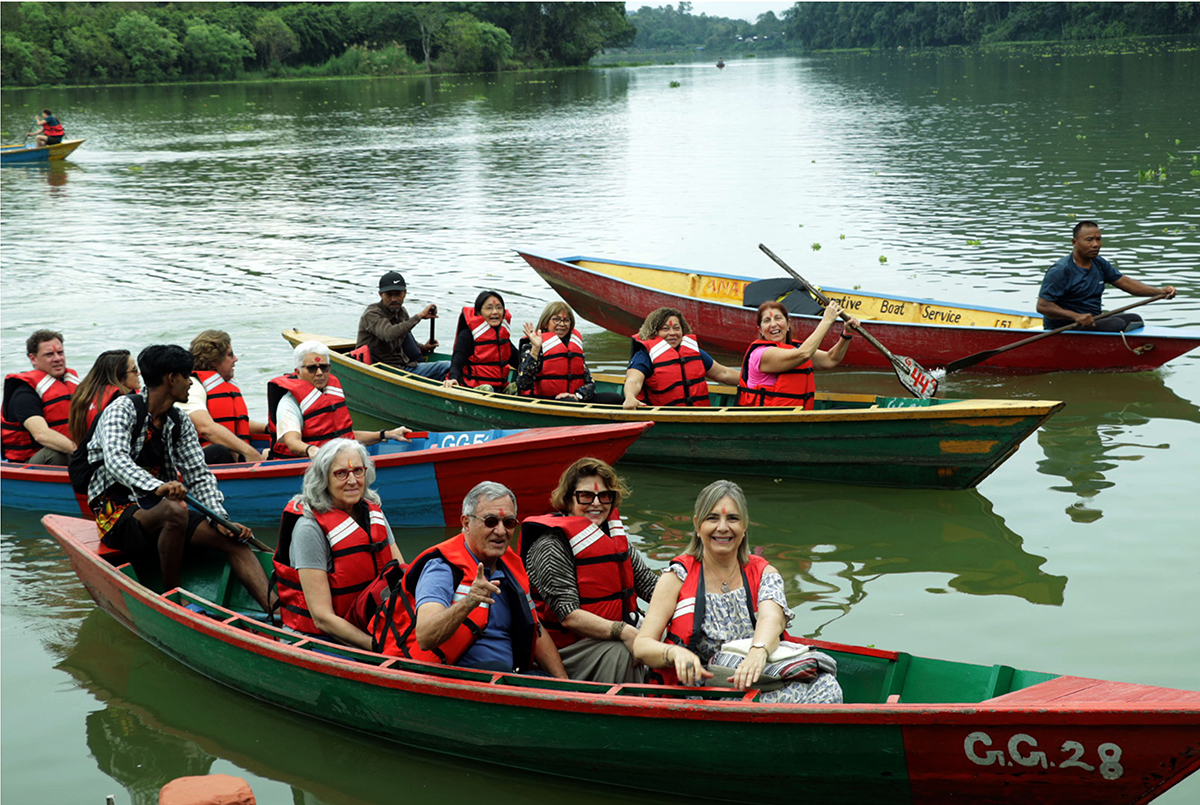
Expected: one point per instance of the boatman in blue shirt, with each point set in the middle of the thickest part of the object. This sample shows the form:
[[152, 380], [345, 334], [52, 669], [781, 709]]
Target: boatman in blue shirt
[[1073, 286]]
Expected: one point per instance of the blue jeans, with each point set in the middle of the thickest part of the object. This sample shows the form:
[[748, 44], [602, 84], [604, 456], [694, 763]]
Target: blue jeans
[[437, 370]]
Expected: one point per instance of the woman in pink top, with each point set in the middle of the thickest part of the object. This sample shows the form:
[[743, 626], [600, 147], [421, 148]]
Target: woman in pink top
[[776, 371]]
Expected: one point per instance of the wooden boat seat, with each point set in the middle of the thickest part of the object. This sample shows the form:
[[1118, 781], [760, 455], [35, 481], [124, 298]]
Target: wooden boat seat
[[1075, 689]]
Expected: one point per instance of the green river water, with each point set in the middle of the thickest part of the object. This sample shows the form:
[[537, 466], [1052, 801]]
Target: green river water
[[259, 207]]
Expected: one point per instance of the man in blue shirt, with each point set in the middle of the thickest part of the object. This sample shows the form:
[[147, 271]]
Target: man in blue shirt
[[1072, 288]]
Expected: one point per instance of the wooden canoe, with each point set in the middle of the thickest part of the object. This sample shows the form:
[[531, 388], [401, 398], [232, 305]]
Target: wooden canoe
[[617, 295], [912, 729], [848, 438], [18, 154], [422, 482]]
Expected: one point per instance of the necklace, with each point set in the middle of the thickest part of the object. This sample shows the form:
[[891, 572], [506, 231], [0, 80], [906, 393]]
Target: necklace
[[724, 582]]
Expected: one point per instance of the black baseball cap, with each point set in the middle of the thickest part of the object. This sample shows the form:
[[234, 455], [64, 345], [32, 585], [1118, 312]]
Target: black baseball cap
[[392, 281]]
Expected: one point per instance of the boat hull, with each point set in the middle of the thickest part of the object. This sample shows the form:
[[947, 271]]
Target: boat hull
[[18, 154], [617, 296], [993, 751], [926, 444], [419, 487]]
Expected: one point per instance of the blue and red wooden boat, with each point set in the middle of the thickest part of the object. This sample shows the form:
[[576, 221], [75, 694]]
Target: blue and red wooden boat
[[422, 482], [912, 729], [617, 295]]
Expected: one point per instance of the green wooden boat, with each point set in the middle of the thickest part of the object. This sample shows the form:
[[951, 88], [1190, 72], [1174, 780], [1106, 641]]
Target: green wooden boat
[[912, 729], [847, 438]]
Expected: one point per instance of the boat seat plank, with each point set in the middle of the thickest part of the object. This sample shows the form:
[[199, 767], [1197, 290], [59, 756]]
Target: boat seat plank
[[1072, 689]]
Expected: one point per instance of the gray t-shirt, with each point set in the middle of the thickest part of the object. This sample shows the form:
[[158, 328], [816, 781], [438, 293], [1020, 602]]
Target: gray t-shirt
[[310, 547]]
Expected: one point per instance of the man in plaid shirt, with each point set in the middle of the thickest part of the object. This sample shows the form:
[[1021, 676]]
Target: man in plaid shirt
[[134, 493]]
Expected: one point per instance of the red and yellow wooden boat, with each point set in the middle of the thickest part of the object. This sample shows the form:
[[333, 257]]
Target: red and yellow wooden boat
[[617, 295], [912, 729]]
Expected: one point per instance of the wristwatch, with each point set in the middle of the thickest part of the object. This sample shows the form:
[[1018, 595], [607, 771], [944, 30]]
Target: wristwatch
[[762, 646]]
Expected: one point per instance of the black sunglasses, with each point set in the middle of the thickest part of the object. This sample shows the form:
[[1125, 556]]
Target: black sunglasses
[[313, 368], [491, 521], [584, 497]]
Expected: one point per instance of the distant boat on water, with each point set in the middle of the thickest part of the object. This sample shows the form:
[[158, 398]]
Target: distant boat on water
[[720, 64]]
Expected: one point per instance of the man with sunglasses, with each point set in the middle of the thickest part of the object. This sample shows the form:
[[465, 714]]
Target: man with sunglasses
[[472, 598], [386, 330], [307, 408]]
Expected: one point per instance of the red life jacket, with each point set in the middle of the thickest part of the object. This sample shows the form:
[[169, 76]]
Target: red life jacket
[[99, 403], [18, 444], [52, 127], [225, 404], [358, 558], [795, 387], [685, 626], [603, 571], [326, 416], [678, 376], [563, 368], [463, 566], [490, 361]]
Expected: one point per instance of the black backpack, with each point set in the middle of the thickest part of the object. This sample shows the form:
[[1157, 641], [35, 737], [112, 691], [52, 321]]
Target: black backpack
[[80, 469]]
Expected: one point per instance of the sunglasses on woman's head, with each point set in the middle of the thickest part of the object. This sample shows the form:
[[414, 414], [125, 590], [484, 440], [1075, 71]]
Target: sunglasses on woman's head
[[491, 521], [606, 497]]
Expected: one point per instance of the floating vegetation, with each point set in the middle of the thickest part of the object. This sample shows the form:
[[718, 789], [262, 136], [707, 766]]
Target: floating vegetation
[[1152, 174], [882, 259], [816, 247], [974, 242], [841, 237], [675, 84]]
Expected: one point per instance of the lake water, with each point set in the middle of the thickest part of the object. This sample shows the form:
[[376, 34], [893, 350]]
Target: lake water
[[259, 207]]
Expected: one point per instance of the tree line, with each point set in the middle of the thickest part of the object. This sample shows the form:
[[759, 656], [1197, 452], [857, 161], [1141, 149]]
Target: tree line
[[144, 42], [825, 26], [673, 27]]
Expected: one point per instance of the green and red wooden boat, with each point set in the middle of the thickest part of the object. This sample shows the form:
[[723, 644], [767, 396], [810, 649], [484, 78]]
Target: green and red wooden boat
[[617, 295], [912, 729], [847, 438]]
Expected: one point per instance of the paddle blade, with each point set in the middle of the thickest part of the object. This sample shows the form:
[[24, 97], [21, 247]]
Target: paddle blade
[[920, 383]]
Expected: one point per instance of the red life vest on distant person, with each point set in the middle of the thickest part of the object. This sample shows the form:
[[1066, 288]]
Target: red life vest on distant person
[[603, 570], [51, 127], [563, 368], [326, 416], [358, 558], [795, 387], [463, 566], [17, 443], [490, 361], [225, 403], [679, 375], [685, 626]]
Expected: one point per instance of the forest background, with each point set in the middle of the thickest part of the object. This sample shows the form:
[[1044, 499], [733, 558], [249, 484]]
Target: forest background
[[141, 42]]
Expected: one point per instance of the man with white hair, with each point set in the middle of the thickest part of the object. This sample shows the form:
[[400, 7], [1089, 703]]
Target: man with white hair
[[307, 408]]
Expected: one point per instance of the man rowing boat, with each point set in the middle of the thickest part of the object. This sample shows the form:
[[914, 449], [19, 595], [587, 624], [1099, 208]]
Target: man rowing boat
[[1072, 288]]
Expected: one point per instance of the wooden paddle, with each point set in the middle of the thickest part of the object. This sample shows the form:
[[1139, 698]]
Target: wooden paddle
[[980, 357], [224, 523], [919, 383]]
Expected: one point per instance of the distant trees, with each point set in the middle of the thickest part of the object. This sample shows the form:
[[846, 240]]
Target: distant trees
[[45, 43], [674, 27]]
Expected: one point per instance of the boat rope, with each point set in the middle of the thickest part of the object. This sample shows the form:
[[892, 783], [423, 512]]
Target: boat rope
[[1135, 350]]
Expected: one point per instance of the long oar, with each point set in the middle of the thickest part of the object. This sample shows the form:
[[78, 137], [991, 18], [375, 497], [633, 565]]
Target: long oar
[[919, 383], [980, 357], [224, 523]]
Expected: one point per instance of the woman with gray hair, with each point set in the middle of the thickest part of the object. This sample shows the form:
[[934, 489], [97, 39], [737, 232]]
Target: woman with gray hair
[[307, 408], [333, 543], [716, 593]]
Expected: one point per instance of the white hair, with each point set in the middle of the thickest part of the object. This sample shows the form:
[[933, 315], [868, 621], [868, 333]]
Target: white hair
[[486, 491], [314, 491], [307, 348]]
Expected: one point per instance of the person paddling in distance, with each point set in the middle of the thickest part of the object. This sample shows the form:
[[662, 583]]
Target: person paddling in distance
[[113, 374], [1072, 288], [52, 129], [586, 576], [778, 372], [483, 350], [667, 366], [333, 542], [716, 592], [551, 360], [307, 408]]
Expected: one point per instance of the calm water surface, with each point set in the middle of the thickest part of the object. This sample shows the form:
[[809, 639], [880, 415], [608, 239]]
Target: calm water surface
[[258, 207]]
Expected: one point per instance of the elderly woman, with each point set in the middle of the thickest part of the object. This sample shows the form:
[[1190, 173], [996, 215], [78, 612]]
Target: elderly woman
[[586, 577], [776, 371], [551, 360], [114, 373], [333, 542], [667, 366], [483, 350], [717, 592], [307, 408]]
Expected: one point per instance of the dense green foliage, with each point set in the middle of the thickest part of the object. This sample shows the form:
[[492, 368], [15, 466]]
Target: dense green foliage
[[847, 25], [676, 27], [86, 43]]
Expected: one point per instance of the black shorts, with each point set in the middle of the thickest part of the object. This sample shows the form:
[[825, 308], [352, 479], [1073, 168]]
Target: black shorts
[[128, 535], [55, 140]]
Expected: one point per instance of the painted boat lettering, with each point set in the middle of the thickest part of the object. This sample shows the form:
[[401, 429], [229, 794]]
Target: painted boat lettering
[[941, 316], [1002, 323], [888, 306], [847, 303], [459, 439], [716, 286], [1023, 751]]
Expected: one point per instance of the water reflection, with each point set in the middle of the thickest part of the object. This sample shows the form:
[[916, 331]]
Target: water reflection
[[161, 720], [830, 543]]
